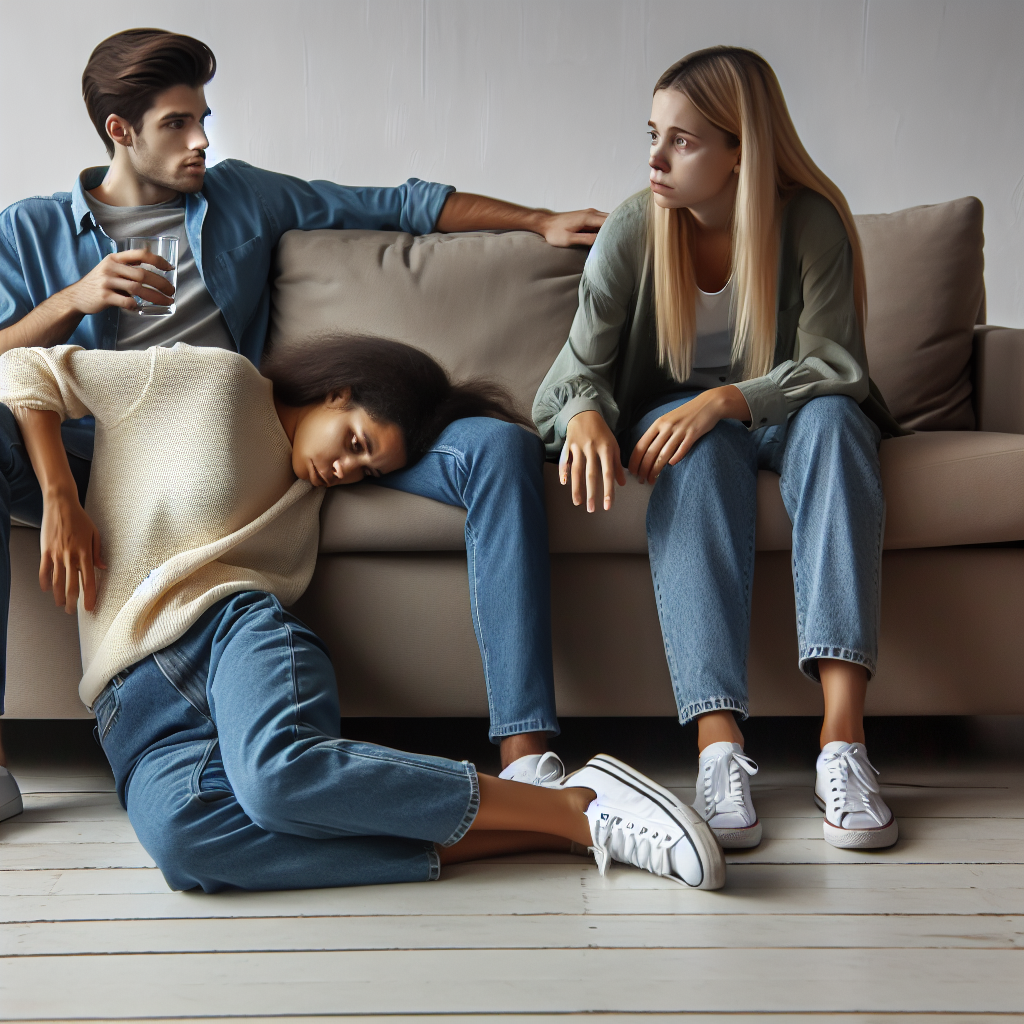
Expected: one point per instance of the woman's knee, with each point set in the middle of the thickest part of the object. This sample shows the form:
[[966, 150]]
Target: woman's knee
[[835, 429], [839, 415], [718, 451], [508, 440], [505, 451], [267, 800]]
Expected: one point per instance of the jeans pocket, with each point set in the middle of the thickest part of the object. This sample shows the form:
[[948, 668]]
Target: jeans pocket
[[210, 782], [106, 708], [189, 680]]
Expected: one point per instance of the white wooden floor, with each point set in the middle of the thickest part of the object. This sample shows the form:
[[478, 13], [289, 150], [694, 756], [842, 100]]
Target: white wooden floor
[[927, 930]]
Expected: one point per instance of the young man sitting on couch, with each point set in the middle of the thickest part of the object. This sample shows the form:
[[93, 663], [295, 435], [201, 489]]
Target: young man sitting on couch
[[63, 280]]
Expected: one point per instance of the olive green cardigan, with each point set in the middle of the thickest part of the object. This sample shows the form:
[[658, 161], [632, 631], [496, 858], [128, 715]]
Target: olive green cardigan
[[610, 362]]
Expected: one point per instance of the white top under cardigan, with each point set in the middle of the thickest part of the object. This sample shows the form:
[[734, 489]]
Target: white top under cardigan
[[713, 347], [192, 489]]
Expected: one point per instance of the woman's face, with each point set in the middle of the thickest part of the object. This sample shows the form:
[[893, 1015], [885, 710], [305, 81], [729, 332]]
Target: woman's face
[[692, 162], [337, 442]]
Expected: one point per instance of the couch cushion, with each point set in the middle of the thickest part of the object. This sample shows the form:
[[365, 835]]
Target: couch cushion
[[516, 297], [953, 487], [925, 283], [942, 488]]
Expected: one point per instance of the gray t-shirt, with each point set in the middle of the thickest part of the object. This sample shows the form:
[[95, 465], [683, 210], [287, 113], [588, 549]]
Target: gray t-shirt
[[196, 320]]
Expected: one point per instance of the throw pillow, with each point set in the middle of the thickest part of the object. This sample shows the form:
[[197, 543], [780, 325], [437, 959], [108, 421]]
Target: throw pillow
[[925, 285]]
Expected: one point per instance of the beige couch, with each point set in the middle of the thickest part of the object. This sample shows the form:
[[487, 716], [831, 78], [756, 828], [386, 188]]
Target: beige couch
[[390, 593]]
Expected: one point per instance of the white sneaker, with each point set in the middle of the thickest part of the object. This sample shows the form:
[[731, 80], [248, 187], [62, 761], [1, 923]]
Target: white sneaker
[[635, 821], [845, 789], [10, 796], [723, 795], [535, 770]]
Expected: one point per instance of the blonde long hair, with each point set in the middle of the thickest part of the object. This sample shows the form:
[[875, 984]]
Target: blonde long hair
[[737, 91]]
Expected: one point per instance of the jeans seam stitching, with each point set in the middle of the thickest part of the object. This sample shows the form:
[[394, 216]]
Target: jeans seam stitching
[[200, 767], [295, 680], [475, 606]]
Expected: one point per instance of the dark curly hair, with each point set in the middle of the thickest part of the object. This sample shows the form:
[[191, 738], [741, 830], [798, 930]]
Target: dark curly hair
[[395, 383]]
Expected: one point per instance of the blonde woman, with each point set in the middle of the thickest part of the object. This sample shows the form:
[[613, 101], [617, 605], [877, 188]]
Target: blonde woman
[[719, 332]]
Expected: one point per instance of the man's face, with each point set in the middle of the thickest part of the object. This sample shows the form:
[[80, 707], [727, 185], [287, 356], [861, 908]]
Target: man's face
[[170, 149]]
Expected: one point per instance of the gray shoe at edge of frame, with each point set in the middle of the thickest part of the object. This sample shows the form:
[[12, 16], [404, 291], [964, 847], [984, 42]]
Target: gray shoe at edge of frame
[[10, 796]]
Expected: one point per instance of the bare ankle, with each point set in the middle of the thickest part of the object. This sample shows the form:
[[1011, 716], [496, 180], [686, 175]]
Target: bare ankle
[[844, 686], [521, 745], [843, 733], [579, 798], [717, 727]]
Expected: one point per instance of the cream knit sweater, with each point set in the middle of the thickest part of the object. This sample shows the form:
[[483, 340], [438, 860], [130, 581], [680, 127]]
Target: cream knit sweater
[[192, 489]]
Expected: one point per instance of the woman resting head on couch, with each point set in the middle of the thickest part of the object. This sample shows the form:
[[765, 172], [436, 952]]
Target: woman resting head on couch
[[720, 331], [218, 709], [362, 406]]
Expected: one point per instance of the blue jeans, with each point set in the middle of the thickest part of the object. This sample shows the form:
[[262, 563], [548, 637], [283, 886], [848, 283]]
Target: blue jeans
[[227, 755], [700, 533], [20, 496], [494, 470]]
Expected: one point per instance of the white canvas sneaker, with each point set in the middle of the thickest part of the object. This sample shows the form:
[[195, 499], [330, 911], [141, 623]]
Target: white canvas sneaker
[[856, 816], [10, 796], [636, 821], [535, 770], [723, 795]]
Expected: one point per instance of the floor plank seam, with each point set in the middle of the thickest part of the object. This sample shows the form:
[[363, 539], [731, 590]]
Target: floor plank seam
[[297, 951]]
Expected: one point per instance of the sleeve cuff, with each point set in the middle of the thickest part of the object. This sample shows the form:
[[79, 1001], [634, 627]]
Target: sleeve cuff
[[424, 201], [766, 401], [573, 408]]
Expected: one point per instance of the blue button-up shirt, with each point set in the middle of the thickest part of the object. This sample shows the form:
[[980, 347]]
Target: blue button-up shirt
[[49, 242]]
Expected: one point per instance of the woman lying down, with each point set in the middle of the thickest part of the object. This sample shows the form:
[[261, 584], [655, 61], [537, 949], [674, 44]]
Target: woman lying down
[[216, 707]]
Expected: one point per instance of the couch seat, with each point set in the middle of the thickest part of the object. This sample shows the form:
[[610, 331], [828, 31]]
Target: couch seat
[[942, 488]]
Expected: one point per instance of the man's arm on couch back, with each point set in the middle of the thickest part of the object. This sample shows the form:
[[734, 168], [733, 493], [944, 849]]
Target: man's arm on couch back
[[999, 379]]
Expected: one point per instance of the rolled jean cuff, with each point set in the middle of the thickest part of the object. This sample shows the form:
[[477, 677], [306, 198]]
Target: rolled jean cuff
[[696, 708], [810, 653], [499, 732], [471, 810]]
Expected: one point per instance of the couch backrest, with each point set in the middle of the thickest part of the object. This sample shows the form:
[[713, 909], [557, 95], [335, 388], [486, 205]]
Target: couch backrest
[[483, 304], [500, 305]]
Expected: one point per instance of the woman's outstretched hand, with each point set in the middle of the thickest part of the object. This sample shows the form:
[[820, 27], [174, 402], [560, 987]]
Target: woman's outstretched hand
[[590, 456], [70, 548], [667, 440]]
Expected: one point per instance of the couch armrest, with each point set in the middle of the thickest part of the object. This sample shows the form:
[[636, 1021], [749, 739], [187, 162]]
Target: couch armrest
[[999, 379]]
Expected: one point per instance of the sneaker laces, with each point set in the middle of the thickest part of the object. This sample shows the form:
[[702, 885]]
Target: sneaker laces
[[851, 787], [551, 766], [631, 840], [722, 782]]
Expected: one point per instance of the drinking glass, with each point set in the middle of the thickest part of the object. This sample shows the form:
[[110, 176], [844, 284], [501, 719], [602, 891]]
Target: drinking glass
[[162, 245]]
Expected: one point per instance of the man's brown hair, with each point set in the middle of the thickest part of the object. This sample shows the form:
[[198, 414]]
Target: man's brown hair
[[129, 70]]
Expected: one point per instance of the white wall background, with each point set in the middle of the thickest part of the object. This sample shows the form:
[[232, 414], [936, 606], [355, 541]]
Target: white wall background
[[545, 102]]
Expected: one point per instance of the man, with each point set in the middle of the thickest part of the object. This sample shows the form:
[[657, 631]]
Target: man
[[62, 280]]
